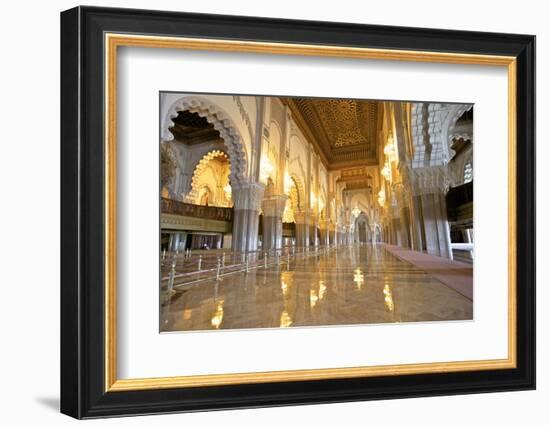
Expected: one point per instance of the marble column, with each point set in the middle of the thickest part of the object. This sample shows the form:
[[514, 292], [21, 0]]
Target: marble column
[[302, 228], [246, 209], [405, 227], [273, 208], [323, 234], [331, 234], [429, 210], [395, 224], [416, 225], [313, 241], [436, 226]]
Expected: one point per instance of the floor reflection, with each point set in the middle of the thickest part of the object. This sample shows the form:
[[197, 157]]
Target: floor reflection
[[351, 285]]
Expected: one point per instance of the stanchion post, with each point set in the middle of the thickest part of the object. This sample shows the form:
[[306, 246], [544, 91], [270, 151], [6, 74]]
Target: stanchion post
[[218, 271], [171, 278]]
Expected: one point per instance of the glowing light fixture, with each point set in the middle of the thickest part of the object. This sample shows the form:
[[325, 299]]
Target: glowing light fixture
[[313, 199], [321, 205], [382, 197], [266, 169], [389, 149], [288, 183], [386, 171], [356, 211], [227, 190]]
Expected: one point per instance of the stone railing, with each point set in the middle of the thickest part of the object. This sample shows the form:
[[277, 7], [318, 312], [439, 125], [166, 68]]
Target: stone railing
[[170, 206]]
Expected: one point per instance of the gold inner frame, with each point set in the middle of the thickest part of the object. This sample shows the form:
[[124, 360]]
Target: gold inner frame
[[113, 41]]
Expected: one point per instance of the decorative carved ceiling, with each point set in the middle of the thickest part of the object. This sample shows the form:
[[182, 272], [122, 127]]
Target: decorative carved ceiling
[[344, 129], [190, 128], [357, 178]]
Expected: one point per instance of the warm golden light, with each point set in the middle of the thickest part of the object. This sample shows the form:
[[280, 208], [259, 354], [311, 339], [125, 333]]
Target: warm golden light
[[321, 205], [187, 313], [313, 199], [358, 277], [266, 169], [388, 298], [288, 182], [322, 289], [382, 197], [313, 297], [227, 189], [284, 288], [356, 211], [389, 149], [285, 320], [217, 318], [386, 171], [288, 213]]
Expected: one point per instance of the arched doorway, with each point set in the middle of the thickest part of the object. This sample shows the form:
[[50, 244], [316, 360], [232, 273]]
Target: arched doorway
[[210, 182], [230, 189]]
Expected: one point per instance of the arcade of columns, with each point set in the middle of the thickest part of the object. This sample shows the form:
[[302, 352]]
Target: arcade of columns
[[397, 197]]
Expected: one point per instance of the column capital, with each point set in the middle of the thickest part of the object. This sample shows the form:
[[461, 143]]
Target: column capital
[[247, 196], [426, 180], [274, 206], [299, 217]]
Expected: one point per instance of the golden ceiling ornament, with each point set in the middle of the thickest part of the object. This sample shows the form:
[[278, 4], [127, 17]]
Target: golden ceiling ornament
[[339, 125]]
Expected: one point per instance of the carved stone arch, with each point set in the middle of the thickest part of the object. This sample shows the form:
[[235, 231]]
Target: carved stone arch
[[221, 122], [432, 127], [362, 218], [455, 112], [302, 176], [360, 199], [199, 154], [274, 123], [192, 196], [301, 192]]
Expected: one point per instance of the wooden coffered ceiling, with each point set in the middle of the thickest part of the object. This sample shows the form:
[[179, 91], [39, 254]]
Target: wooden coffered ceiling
[[190, 128], [357, 178], [344, 130]]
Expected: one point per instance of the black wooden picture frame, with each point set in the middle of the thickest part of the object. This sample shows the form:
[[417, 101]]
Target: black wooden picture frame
[[83, 248]]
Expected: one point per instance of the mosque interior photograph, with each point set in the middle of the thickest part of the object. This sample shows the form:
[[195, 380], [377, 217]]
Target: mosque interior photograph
[[280, 212]]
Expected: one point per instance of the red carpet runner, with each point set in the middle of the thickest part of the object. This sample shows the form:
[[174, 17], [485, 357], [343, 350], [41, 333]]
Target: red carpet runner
[[454, 274]]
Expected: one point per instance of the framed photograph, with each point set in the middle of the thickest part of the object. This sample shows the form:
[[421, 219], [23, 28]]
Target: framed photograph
[[261, 212]]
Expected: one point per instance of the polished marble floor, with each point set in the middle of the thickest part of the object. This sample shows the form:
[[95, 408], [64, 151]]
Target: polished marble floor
[[349, 285]]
